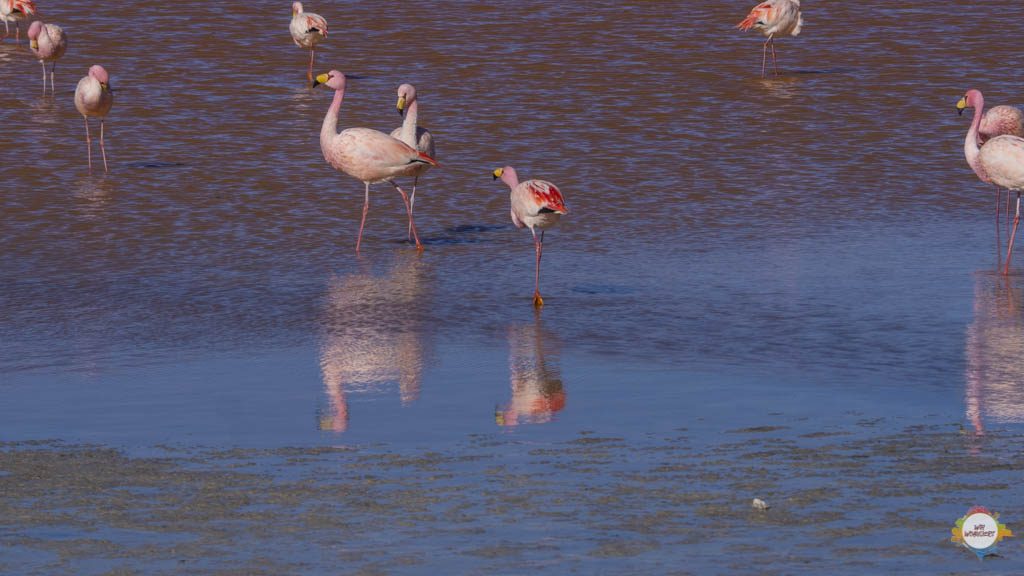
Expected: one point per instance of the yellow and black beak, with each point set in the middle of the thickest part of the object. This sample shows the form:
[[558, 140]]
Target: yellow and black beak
[[498, 172], [34, 44], [401, 105], [321, 79], [960, 105]]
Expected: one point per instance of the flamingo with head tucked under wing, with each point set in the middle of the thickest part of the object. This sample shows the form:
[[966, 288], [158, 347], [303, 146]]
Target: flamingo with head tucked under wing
[[999, 161], [772, 18], [93, 97], [412, 134], [48, 42], [536, 204], [15, 11], [365, 154], [307, 30]]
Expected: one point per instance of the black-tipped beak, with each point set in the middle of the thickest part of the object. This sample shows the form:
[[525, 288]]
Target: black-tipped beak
[[494, 176], [959, 111], [400, 113], [315, 83]]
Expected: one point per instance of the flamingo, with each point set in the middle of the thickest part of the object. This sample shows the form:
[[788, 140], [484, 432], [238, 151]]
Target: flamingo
[[48, 42], [416, 136], [995, 121], [999, 161], [93, 97], [15, 11], [771, 18], [537, 204], [366, 154], [307, 30]]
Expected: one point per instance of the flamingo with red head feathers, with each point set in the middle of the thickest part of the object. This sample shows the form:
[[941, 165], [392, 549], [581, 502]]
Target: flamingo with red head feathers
[[771, 18], [536, 204], [366, 154], [15, 11]]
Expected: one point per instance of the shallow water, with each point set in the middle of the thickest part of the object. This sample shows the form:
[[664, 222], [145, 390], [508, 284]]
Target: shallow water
[[738, 252]]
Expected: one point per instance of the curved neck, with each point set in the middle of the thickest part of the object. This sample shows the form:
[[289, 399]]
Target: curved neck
[[409, 124], [330, 125], [971, 149], [509, 176]]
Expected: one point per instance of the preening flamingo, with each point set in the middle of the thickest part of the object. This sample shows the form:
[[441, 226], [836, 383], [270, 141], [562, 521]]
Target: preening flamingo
[[995, 121], [416, 136], [48, 42], [771, 18], [94, 98], [537, 204], [999, 161], [15, 11], [307, 30], [365, 154]]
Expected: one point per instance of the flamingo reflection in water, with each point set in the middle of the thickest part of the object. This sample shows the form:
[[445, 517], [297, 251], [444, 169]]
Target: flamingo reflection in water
[[535, 374], [995, 339], [372, 336]]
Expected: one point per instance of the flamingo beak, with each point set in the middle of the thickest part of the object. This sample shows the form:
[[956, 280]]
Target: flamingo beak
[[34, 44], [960, 105], [498, 172], [104, 86], [321, 79], [401, 105]]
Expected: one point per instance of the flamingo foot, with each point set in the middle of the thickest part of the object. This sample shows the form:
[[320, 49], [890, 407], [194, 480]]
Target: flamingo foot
[[537, 300]]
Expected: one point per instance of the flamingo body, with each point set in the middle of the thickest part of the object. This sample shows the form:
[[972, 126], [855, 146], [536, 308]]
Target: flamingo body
[[48, 42], [773, 18], [535, 204], [93, 97], [15, 11], [307, 31], [412, 134], [365, 154], [1001, 120]]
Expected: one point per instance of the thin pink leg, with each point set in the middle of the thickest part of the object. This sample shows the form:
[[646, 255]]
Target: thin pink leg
[[538, 245], [1009, 251], [309, 74], [88, 142], [53, 73], [775, 62], [764, 56], [999, 243], [408, 209], [44, 77], [412, 204], [1007, 213], [366, 208], [102, 149]]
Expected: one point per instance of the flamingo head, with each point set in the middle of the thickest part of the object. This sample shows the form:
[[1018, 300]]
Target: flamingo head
[[972, 99], [507, 175], [34, 30], [406, 96], [332, 79], [296, 8], [100, 74]]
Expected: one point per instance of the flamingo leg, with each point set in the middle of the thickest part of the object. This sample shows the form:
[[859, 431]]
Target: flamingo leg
[[44, 76], [1009, 250], [412, 203], [408, 209], [538, 245], [309, 74], [53, 73], [764, 55], [88, 142], [999, 243], [366, 208], [775, 62], [102, 149], [7, 31]]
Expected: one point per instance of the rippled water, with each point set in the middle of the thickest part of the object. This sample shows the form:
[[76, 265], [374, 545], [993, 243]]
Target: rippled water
[[735, 248]]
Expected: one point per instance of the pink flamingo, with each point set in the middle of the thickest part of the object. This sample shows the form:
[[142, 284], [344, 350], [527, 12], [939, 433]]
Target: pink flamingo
[[93, 97], [15, 11], [537, 204], [771, 18], [999, 161], [365, 154], [416, 136], [995, 121], [48, 42], [307, 30]]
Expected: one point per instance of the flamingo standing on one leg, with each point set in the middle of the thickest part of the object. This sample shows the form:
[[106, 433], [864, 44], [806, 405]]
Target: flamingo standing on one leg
[[365, 154], [307, 30], [996, 121], [771, 18], [48, 42], [94, 98], [537, 204], [416, 136], [15, 11], [1000, 160]]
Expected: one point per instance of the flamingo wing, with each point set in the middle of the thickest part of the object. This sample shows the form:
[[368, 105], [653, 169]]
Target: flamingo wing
[[316, 24], [545, 197]]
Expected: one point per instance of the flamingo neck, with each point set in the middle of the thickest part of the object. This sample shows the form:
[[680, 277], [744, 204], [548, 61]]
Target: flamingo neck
[[509, 176], [330, 126], [971, 150], [409, 124]]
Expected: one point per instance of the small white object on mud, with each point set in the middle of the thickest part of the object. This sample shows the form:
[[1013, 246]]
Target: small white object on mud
[[759, 504]]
